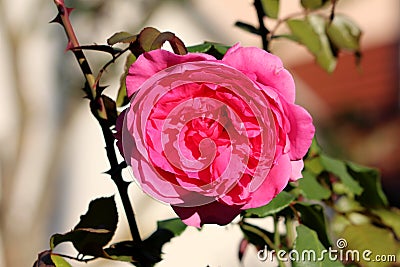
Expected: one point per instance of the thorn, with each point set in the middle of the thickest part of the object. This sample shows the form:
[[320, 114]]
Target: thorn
[[69, 10], [109, 172], [70, 46], [116, 169], [57, 19], [100, 89]]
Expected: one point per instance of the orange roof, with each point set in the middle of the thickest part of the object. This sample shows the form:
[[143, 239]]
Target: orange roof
[[372, 88]]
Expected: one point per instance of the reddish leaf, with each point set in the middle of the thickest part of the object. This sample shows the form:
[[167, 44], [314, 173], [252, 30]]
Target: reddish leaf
[[151, 39], [44, 259], [147, 37], [242, 248]]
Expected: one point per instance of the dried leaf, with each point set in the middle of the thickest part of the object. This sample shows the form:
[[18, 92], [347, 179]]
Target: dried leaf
[[121, 37]]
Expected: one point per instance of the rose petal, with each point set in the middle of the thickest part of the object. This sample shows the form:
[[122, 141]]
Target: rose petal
[[171, 102], [301, 131], [262, 67], [214, 212], [275, 182], [150, 63], [297, 167]]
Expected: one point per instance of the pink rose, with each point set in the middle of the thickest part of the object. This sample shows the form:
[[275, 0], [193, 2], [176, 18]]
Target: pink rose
[[213, 137]]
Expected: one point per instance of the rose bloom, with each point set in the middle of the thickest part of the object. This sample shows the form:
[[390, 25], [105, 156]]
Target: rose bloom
[[213, 137]]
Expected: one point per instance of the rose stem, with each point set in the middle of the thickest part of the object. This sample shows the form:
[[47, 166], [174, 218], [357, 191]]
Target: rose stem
[[99, 112], [262, 29], [277, 239]]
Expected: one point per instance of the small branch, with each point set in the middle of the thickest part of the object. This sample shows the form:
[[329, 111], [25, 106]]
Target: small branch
[[263, 30], [277, 238], [103, 69], [63, 19], [74, 258], [332, 15], [290, 237], [280, 21], [99, 112], [296, 215], [122, 185]]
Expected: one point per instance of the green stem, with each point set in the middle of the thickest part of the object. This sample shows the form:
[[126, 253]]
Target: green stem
[[277, 239], [99, 112], [289, 231]]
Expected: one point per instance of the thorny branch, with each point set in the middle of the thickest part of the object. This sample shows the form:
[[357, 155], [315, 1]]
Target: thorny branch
[[99, 112]]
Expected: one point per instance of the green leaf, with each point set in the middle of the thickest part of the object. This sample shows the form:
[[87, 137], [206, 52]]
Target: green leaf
[[247, 27], [166, 230], [281, 201], [338, 168], [150, 250], [313, 216], [221, 48], [94, 230], [121, 37], [314, 165], [357, 218], [122, 98], [310, 250], [311, 33], [130, 251], [286, 36], [214, 49], [313, 4], [372, 195], [391, 218], [257, 236], [311, 188], [271, 8], [315, 149], [379, 241], [59, 261], [175, 226], [339, 223], [344, 33], [347, 204], [201, 48]]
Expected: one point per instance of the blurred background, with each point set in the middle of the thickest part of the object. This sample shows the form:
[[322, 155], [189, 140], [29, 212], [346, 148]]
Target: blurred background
[[51, 149]]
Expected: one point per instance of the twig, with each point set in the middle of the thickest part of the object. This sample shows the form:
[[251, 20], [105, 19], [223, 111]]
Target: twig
[[262, 29], [103, 69], [332, 15], [99, 112], [73, 258], [282, 20], [277, 239]]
